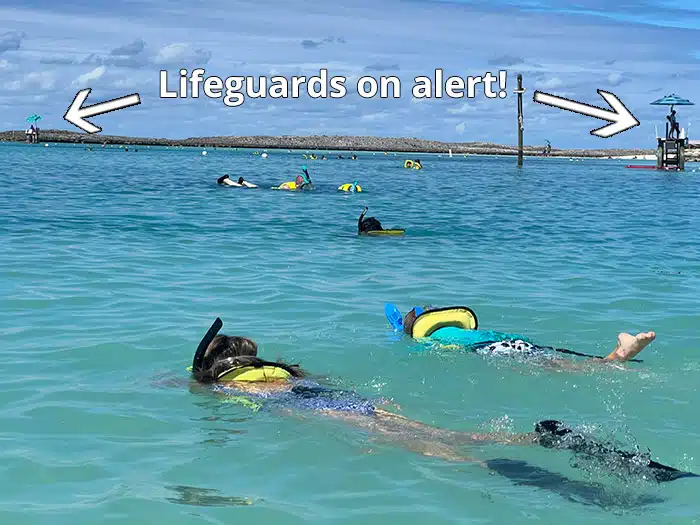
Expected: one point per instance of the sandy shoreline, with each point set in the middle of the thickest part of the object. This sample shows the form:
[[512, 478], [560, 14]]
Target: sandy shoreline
[[327, 143]]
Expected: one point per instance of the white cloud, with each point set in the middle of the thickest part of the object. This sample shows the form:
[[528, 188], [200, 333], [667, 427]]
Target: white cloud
[[615, 79], [181, 55], [371, 117], [459, 128], [44, 81], [550, 83], [83, 80], [462, 109]]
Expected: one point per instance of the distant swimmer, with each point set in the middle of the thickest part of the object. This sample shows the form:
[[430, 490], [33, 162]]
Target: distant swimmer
[[340, 156], [371, 226], [226, 181], [230, 366], [245, 183], [457, 326], [323, 157], [353, 157], [303, 180], [417, 164]]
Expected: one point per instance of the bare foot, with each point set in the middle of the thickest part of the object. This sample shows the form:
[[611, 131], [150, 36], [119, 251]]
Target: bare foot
[[628, 345]]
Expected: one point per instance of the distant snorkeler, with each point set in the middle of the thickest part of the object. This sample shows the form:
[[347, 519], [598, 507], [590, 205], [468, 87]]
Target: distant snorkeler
[[303, 180], [367, 224], [371, 226], [458, 326], [241, 183], [231, 366]]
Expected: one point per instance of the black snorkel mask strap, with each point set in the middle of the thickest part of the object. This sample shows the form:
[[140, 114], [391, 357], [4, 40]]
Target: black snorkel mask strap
[[204, 343]]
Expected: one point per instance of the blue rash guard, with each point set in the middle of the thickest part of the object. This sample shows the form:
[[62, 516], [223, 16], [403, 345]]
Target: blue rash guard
[[310, 396], [487, 341]]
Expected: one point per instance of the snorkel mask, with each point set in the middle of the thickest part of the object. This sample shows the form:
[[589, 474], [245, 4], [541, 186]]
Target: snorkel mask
[[250, 373]]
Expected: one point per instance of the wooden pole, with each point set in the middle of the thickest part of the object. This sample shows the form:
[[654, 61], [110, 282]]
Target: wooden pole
[[520, 92]]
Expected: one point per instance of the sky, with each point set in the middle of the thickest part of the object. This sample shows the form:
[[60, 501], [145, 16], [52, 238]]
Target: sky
[[639, 49]]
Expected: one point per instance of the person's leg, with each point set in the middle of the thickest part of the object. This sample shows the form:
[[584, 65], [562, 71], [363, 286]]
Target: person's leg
[[628, 346]]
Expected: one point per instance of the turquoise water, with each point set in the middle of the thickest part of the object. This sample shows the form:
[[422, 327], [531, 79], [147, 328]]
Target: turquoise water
[[113, 264]]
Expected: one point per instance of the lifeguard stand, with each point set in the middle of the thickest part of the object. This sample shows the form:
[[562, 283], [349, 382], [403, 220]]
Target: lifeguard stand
[[670, 151]]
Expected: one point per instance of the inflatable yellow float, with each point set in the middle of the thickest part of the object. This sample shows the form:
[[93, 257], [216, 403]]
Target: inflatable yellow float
[[291, 185], [455, 316], [412, 164], [350, 187]]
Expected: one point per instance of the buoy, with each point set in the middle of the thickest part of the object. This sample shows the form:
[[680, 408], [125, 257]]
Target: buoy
[[204, 153], [264, 155]]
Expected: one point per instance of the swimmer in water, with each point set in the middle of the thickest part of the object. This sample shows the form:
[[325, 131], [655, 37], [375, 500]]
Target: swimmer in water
[[231, 366], [245, 183], [226, 181], [369, 224], [303, 180], [489, 342]]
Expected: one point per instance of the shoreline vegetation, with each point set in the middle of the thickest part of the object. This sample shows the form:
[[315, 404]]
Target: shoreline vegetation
[[327, 143]]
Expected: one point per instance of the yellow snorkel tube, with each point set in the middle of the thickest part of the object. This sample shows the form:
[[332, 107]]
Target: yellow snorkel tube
[[431, 320]]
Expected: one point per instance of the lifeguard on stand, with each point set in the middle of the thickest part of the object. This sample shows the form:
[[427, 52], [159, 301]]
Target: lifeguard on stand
[[670, 154]]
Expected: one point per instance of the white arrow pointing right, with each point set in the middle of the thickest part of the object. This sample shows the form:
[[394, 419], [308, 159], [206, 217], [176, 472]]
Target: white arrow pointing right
[[621, 119]]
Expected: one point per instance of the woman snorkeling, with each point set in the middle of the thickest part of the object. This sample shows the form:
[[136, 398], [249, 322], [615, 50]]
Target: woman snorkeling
[[303, 180], [231, 366], [458, 326]]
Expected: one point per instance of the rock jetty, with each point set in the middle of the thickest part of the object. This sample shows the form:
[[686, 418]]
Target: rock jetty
[[321, 143]]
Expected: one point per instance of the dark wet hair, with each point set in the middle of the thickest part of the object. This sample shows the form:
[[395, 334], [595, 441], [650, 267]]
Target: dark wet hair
[[408, 321], [226, 352], [240, 180], [220, 180]]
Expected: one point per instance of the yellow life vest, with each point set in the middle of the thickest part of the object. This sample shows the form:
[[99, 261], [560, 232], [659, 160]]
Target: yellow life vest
[[254, 374], [432, 320]]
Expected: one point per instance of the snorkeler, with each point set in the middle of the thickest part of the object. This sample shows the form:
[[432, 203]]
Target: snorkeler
[[371, 226], [303, 180], [458, 326], [245, 183], [231, 365], [368, 224], [226, 181]]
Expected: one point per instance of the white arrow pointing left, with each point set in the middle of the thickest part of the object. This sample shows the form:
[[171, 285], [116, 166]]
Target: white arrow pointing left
[[77, 114]]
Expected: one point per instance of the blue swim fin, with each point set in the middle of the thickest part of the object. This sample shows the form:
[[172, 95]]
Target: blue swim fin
[[393, 315], [419, 310]]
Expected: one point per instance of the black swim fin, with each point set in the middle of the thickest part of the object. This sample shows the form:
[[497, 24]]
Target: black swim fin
[[553, 434]]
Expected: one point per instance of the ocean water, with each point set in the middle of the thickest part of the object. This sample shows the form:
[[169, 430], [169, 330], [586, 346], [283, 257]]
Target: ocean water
[[113, 264]]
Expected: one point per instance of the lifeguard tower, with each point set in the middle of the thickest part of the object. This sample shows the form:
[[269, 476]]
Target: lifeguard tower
[[670, 152]]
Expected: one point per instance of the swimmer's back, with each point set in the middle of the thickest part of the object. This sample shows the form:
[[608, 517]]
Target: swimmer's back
[[459, 336]]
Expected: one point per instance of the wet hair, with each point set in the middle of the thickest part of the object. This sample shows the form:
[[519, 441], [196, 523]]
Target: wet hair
[[220, 180], [368, 224], [408, 321], [240, 180], [226, 352]]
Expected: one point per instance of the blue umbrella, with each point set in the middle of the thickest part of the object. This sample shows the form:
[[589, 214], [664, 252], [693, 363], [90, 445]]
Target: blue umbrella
[[672, 100]]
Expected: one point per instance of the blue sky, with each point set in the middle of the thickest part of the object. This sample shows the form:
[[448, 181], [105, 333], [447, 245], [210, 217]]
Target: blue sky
[[639, 50]]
